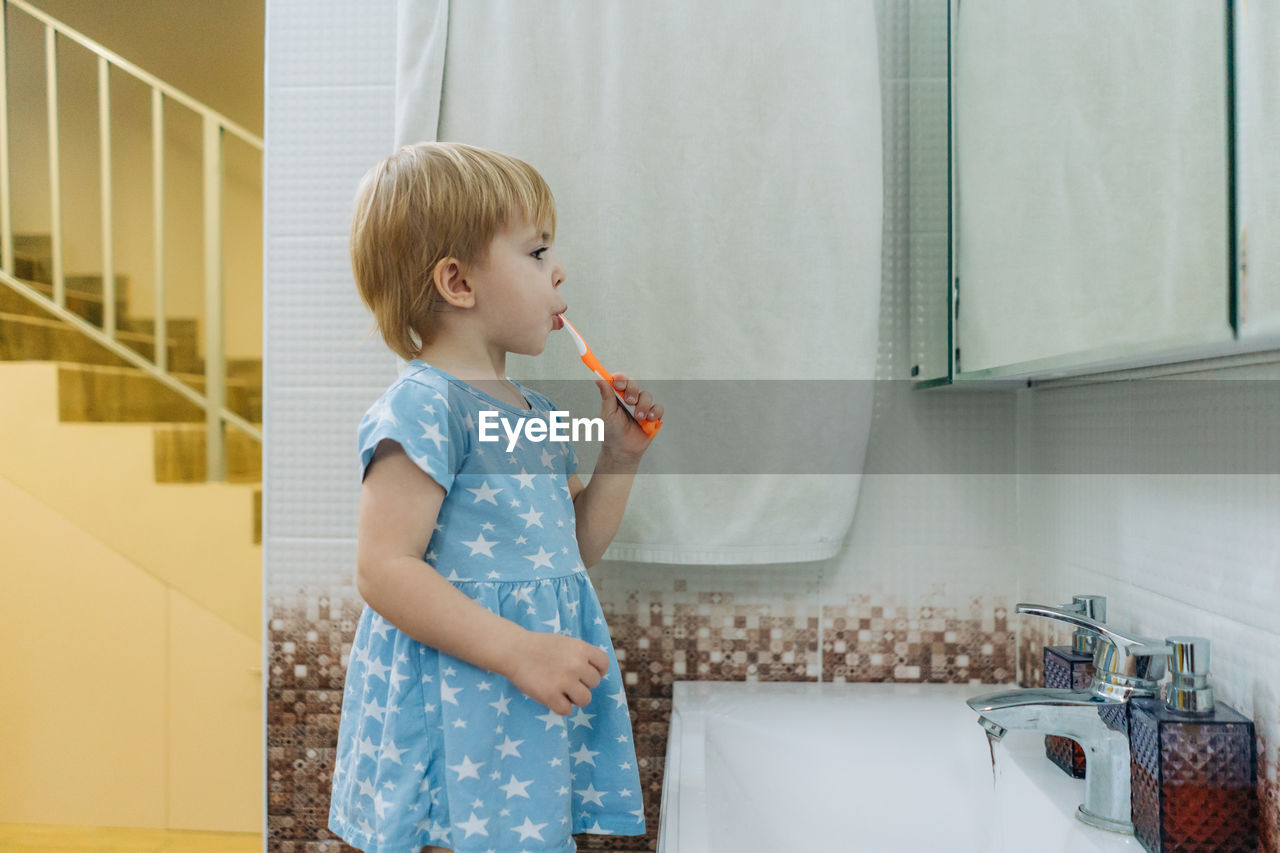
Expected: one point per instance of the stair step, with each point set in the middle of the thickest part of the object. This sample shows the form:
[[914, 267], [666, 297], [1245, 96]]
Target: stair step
[[39, 271], [181, 332], [92, 285], [82, 303], [100, 393], [37, 245], [26, 337], [180, 455], [247, 370]]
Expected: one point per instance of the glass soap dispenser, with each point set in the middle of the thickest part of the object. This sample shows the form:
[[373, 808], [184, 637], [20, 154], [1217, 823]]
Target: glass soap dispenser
[[1193, 763], [1071, 668]]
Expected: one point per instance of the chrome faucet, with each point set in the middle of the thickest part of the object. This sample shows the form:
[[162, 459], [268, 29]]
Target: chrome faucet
[[1124, 666]]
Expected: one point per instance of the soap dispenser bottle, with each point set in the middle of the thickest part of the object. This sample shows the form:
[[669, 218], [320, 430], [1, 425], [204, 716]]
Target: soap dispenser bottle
[[1071, 668], [1193, 763]]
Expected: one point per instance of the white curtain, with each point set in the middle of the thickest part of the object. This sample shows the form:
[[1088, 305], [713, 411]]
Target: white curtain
[[717, 171]]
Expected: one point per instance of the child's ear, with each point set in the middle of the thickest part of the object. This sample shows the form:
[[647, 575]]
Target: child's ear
[[447, 277]]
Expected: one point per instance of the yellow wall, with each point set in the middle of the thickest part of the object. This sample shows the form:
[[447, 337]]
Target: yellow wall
[[122, 702]]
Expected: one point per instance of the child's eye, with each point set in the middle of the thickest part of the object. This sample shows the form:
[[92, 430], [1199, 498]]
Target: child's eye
[[538, 253]]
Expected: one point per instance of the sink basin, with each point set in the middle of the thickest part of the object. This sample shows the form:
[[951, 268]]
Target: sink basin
[[875, 767]]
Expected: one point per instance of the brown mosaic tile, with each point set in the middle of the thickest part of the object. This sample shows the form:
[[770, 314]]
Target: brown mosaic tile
[[1268, 795], [662, 637], [870, 640]]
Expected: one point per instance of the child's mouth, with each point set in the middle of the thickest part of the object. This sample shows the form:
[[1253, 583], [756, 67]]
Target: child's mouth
[[557, 322]]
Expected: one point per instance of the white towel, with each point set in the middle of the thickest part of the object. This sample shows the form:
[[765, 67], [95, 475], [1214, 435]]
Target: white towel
[[717, 171]]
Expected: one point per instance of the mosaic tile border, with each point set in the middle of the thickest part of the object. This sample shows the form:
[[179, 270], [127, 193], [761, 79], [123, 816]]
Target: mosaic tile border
[[661, 636]]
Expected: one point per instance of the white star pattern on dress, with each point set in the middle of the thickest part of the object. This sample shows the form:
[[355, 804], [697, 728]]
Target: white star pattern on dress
[[485, 493], [377, 669], [529, 829], [382, 414], [509, 748], [591, 795], [467, 769], [474, 825], [480, 545], [431, 432], [390, 752], [515, 788], [404, 778], [380, 805], [584, 754], [542, 558], [552, 719], [449, 694]]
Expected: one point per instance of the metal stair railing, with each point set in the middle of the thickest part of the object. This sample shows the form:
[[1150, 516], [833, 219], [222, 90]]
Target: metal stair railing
[[215, 126]]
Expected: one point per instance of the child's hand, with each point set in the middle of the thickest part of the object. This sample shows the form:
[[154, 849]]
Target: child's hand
[[622, 434], [557, 671]]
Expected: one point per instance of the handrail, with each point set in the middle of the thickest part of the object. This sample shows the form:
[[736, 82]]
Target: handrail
[[127, 354], [213, 400], [125, 65]]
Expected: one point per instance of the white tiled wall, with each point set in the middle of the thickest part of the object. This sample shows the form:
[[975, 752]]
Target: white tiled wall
[[326, 126], [1180, 542], [330, 109], [979, 495]]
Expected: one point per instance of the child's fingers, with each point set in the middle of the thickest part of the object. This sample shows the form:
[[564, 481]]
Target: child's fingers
[[591, 678], [628, 388], [579, 695], [598, 659]]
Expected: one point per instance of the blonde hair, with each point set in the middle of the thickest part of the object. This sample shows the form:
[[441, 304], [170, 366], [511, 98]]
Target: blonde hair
[[423, 204]]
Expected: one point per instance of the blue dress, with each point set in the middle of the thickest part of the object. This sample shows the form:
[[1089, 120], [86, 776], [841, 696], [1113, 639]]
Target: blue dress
[[434, 750]]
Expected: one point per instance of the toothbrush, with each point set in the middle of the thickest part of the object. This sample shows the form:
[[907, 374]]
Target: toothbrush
[[589, 359]]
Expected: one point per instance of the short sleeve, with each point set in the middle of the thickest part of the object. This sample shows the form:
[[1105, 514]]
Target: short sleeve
[[543, 403], [417, 416]]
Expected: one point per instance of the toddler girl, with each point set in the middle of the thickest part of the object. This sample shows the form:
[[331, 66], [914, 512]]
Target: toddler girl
[[484, 708]]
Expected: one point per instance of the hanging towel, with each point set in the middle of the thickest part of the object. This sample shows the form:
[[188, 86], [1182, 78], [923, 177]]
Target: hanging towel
[[717, 171]]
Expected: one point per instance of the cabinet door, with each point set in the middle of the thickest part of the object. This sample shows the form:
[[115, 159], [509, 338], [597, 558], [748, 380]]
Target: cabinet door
[[1258, 166], [1090, 155]]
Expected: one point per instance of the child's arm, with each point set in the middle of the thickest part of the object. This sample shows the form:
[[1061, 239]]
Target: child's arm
[[399, 504], [599, 505]]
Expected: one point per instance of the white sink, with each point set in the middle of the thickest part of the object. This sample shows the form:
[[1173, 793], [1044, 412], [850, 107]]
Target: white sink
[[782, 767]]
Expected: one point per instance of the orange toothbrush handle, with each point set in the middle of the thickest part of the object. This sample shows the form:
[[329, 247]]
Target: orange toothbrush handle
[[650, 427]]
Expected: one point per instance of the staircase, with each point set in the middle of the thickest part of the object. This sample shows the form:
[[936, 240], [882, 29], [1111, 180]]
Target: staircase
[[123, 456]]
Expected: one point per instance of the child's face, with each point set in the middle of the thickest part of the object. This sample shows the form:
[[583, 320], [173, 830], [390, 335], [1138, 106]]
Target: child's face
[[516, 287]]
